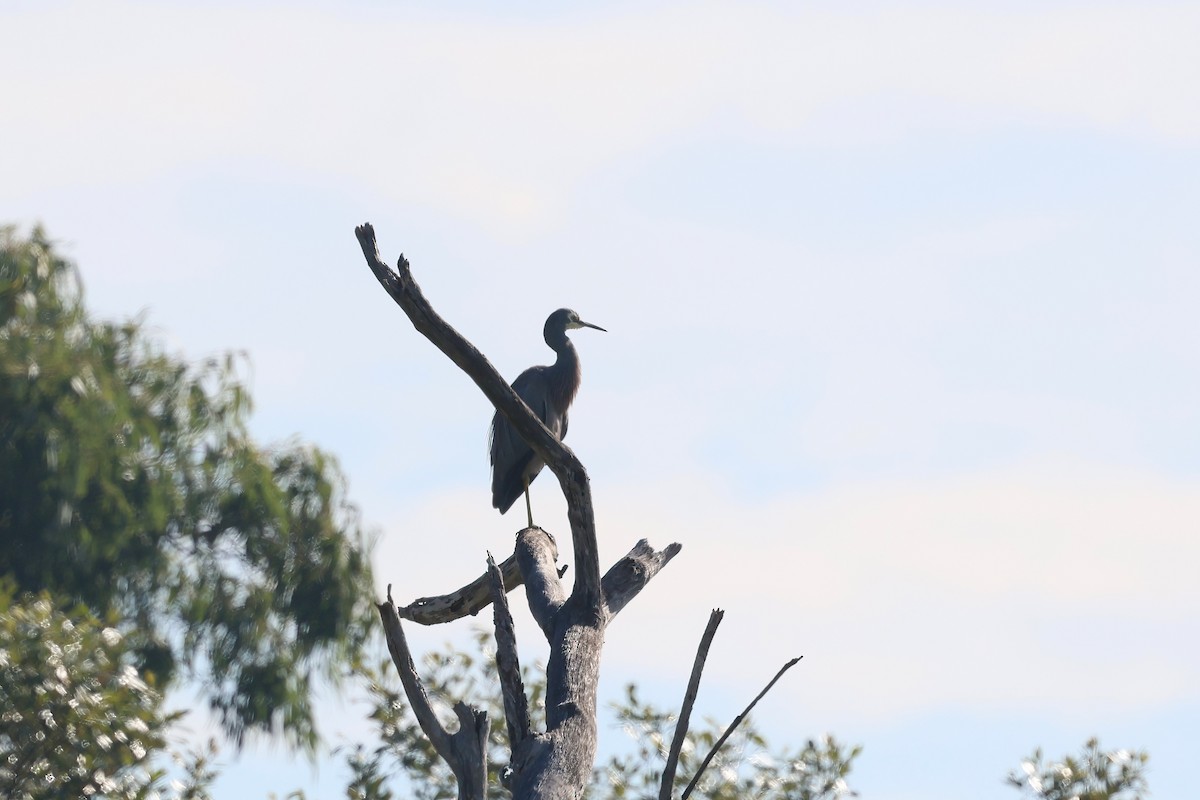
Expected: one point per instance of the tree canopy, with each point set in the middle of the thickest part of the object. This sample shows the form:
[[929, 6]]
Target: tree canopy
[[77, 719], [1095, 774], [132, 485]]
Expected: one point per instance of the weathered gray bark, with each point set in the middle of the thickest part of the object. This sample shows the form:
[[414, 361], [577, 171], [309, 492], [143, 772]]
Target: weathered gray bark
[[469, 600], [508, 666], [556, 764], [630, 575]]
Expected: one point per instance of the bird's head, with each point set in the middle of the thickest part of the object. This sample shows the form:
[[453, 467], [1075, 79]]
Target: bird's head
[[565, 320]]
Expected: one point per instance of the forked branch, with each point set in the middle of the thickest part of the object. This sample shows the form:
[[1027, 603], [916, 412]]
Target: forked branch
[[625, 579], [465, 750]]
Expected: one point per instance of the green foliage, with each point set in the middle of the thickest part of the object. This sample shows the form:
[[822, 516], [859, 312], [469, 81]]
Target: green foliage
[[1093, 775], [744, 768], [77, 720], [129, 483], [368, 781]]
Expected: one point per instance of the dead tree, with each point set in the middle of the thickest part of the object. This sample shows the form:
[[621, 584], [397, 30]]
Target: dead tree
[[554, 764]]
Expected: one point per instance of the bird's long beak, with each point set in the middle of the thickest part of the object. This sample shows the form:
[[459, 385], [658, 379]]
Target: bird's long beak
[[590, 325]]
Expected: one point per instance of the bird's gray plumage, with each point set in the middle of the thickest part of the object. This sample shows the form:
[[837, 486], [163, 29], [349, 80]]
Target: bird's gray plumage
[[548, 391]]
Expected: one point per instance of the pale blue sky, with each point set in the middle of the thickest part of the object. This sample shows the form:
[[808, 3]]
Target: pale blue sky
[[903, 343]]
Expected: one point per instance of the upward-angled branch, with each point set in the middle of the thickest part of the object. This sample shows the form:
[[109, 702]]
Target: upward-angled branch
[[630, 575], [733, 726], [465, 750], [571, 475], [689, 700], [512, 688]]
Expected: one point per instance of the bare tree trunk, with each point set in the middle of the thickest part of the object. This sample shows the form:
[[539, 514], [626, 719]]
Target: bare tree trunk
[[556, 764]]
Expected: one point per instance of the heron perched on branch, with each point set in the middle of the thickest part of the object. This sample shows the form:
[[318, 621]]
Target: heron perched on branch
[[548, 391]]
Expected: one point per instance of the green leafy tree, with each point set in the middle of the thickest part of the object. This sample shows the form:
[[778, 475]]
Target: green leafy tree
[[746, 766], [77, 720], [1094, 774], [129, 483]]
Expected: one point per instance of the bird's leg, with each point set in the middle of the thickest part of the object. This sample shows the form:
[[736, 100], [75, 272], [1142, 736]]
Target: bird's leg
[[528, 507]]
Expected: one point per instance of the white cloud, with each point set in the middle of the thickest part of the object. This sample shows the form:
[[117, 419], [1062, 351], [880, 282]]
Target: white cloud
[[1051, 586], [1059, 591], [498, 122]]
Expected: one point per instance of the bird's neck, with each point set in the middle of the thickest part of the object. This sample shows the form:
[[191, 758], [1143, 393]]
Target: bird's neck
[[567, 367]]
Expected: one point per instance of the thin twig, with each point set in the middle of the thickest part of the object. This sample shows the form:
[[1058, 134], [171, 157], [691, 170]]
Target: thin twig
[[733, 725], [689, 700]]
